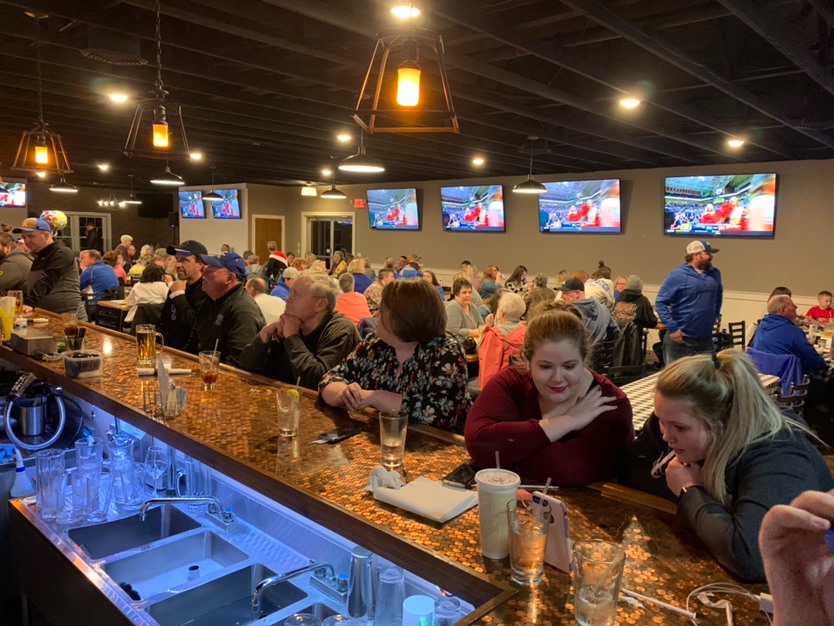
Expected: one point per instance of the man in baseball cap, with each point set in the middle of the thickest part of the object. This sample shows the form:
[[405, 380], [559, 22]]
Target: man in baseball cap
[[596, 316], [185, 296], [230, 318], [689, 303], [285, 283]]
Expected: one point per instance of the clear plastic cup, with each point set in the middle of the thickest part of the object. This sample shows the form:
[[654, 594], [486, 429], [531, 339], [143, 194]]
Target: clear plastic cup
[[496, 489], [390, 595], [50, 478]]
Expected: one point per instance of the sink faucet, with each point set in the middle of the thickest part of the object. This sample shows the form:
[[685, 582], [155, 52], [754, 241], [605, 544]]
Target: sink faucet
[[214, 503], [321, 570]]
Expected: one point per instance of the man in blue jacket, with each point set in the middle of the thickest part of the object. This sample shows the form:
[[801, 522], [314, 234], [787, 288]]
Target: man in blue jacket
[[689, 303], [778, 334]]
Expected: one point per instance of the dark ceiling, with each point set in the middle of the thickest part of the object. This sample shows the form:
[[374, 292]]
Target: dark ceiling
[[266, 84]]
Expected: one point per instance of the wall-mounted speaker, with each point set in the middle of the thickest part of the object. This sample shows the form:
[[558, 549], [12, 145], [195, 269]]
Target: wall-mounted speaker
[[174, 219]]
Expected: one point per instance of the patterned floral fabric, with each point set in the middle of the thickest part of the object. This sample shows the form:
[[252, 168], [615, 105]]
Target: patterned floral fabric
[[516, 287], [432, 381]]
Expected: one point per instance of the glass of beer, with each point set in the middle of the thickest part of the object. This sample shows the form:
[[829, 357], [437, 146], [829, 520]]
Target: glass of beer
[[146, 338], [209, 368], [18, 301]]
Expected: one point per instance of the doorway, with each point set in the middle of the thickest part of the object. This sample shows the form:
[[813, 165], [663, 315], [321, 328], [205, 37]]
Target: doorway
[[266, 228], [326, 232], [74, 235]]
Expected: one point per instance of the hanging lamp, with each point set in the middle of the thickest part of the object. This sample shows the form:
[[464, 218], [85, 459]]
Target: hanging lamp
[[333, 193], [40, 149], [167, 178], [132, 199], [212, 196], [309, 191], [360, 162], [531, 185], [161, 142], [63, 187]]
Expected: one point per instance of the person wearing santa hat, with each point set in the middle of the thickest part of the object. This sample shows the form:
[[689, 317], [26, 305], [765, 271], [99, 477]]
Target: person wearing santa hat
[[275, 265]]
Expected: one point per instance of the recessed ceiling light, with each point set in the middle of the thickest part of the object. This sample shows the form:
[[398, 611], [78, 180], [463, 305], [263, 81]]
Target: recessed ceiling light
[[344, 137], [630, 103], [118, 97], [478, 161], [196, 156], [326, 172], [735, 142], [104, 167], [405, 11]]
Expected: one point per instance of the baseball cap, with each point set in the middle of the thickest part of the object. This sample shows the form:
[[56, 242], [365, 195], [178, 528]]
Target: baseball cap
[[188, 248], [32, 224], [290, 273], [572, 284], [231, 261], [700, 245]]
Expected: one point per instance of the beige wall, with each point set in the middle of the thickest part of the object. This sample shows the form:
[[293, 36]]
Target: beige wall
[[796, 257]]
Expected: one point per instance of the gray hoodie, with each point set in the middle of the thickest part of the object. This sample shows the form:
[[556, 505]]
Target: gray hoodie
[[598, 320]]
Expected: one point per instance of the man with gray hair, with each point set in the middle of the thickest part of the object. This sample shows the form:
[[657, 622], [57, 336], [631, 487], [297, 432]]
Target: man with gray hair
[[308, 340], [778, 334], [123, 249]]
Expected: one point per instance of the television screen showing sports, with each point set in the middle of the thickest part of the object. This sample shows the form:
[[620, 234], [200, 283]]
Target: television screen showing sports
[[228, 207], [393, 209], [477, 209], [191, 205], [740, 205], [581, 206], [12, 194]]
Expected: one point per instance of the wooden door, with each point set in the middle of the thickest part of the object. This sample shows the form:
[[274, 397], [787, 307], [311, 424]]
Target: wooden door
[[267, 228]]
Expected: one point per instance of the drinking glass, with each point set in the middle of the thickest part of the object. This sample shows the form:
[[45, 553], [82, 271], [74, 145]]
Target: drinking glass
[[390, 596], [289, 413], [446, 611], [209, 368], [18, 301], [303, 619], [597, 572], [7, 308], [418, 611], [529, 522], [392, 431], [72, 503], [98, 493], [50, 482], [197, 478], [156, 462], [341, 620], [70, 322], [146, 338]]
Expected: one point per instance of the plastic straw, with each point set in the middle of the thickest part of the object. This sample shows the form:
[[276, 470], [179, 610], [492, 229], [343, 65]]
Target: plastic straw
[[216, 343], [660, 603], [497, 460]]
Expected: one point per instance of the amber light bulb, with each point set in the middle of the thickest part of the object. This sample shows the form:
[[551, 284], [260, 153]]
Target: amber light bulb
[[408, 84], [42, 155], [160, 134]]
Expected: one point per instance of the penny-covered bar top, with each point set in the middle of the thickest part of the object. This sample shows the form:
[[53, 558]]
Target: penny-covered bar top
[[233, 429]]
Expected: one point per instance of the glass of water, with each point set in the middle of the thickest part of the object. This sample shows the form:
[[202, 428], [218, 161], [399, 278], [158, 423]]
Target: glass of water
[[597, 572]]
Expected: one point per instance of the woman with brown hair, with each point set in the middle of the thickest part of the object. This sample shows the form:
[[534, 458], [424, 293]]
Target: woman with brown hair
[[490, 283], [552, 417], [409, 367]]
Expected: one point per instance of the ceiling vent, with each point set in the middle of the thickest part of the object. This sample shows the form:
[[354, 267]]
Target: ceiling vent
[[114, 48]]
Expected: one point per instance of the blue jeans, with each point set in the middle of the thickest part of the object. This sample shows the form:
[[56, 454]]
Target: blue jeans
[[673, 351]]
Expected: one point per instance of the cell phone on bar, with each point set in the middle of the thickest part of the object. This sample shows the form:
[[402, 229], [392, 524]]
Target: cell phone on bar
[[558, 550], [338, 434], [462, 476]]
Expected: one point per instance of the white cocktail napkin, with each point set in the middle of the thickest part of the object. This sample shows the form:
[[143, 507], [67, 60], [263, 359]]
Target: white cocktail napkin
[[429, 498]]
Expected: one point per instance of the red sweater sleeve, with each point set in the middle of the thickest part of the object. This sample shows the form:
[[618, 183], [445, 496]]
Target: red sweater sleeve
[[505, 418]]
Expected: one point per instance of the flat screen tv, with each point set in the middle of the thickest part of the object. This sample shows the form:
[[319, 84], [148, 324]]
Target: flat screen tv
[[12, 194], [581, 206], [476, 209], [393, 209], [229, 207], [730, 205], [191, 205]]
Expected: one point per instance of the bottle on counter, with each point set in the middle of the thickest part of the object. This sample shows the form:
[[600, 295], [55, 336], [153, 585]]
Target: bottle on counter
[[22, 486]]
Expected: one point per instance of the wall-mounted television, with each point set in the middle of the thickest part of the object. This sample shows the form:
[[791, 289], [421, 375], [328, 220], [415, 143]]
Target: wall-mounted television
[[473, 209], [729, 205], [229, 207], [581, 206], [12, 194], [191, 205], [393, 209]]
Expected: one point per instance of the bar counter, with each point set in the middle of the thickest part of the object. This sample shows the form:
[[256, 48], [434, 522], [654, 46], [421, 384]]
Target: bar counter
[[233, 429]]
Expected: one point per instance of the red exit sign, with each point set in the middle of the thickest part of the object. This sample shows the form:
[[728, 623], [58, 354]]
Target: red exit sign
[[359, 203]]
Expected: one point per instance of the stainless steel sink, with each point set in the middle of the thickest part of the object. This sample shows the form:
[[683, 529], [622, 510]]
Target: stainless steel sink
[[153, 571], [101, 540], [225, 601]]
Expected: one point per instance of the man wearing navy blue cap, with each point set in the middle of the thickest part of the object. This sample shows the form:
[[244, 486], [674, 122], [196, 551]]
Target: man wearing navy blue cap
[[185, 295], [230, 318], [689, 303], [53, 279]]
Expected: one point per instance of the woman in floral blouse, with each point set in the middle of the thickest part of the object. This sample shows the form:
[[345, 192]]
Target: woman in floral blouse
[[410, 366]]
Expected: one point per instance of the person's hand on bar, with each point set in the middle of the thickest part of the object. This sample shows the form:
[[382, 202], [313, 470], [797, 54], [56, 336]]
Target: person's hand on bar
[[798, 561]]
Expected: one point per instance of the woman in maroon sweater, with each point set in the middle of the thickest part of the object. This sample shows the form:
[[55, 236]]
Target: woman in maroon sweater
[[553, 417]]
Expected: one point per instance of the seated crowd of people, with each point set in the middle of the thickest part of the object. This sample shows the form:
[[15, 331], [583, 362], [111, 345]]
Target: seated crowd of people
[[392, 340]]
